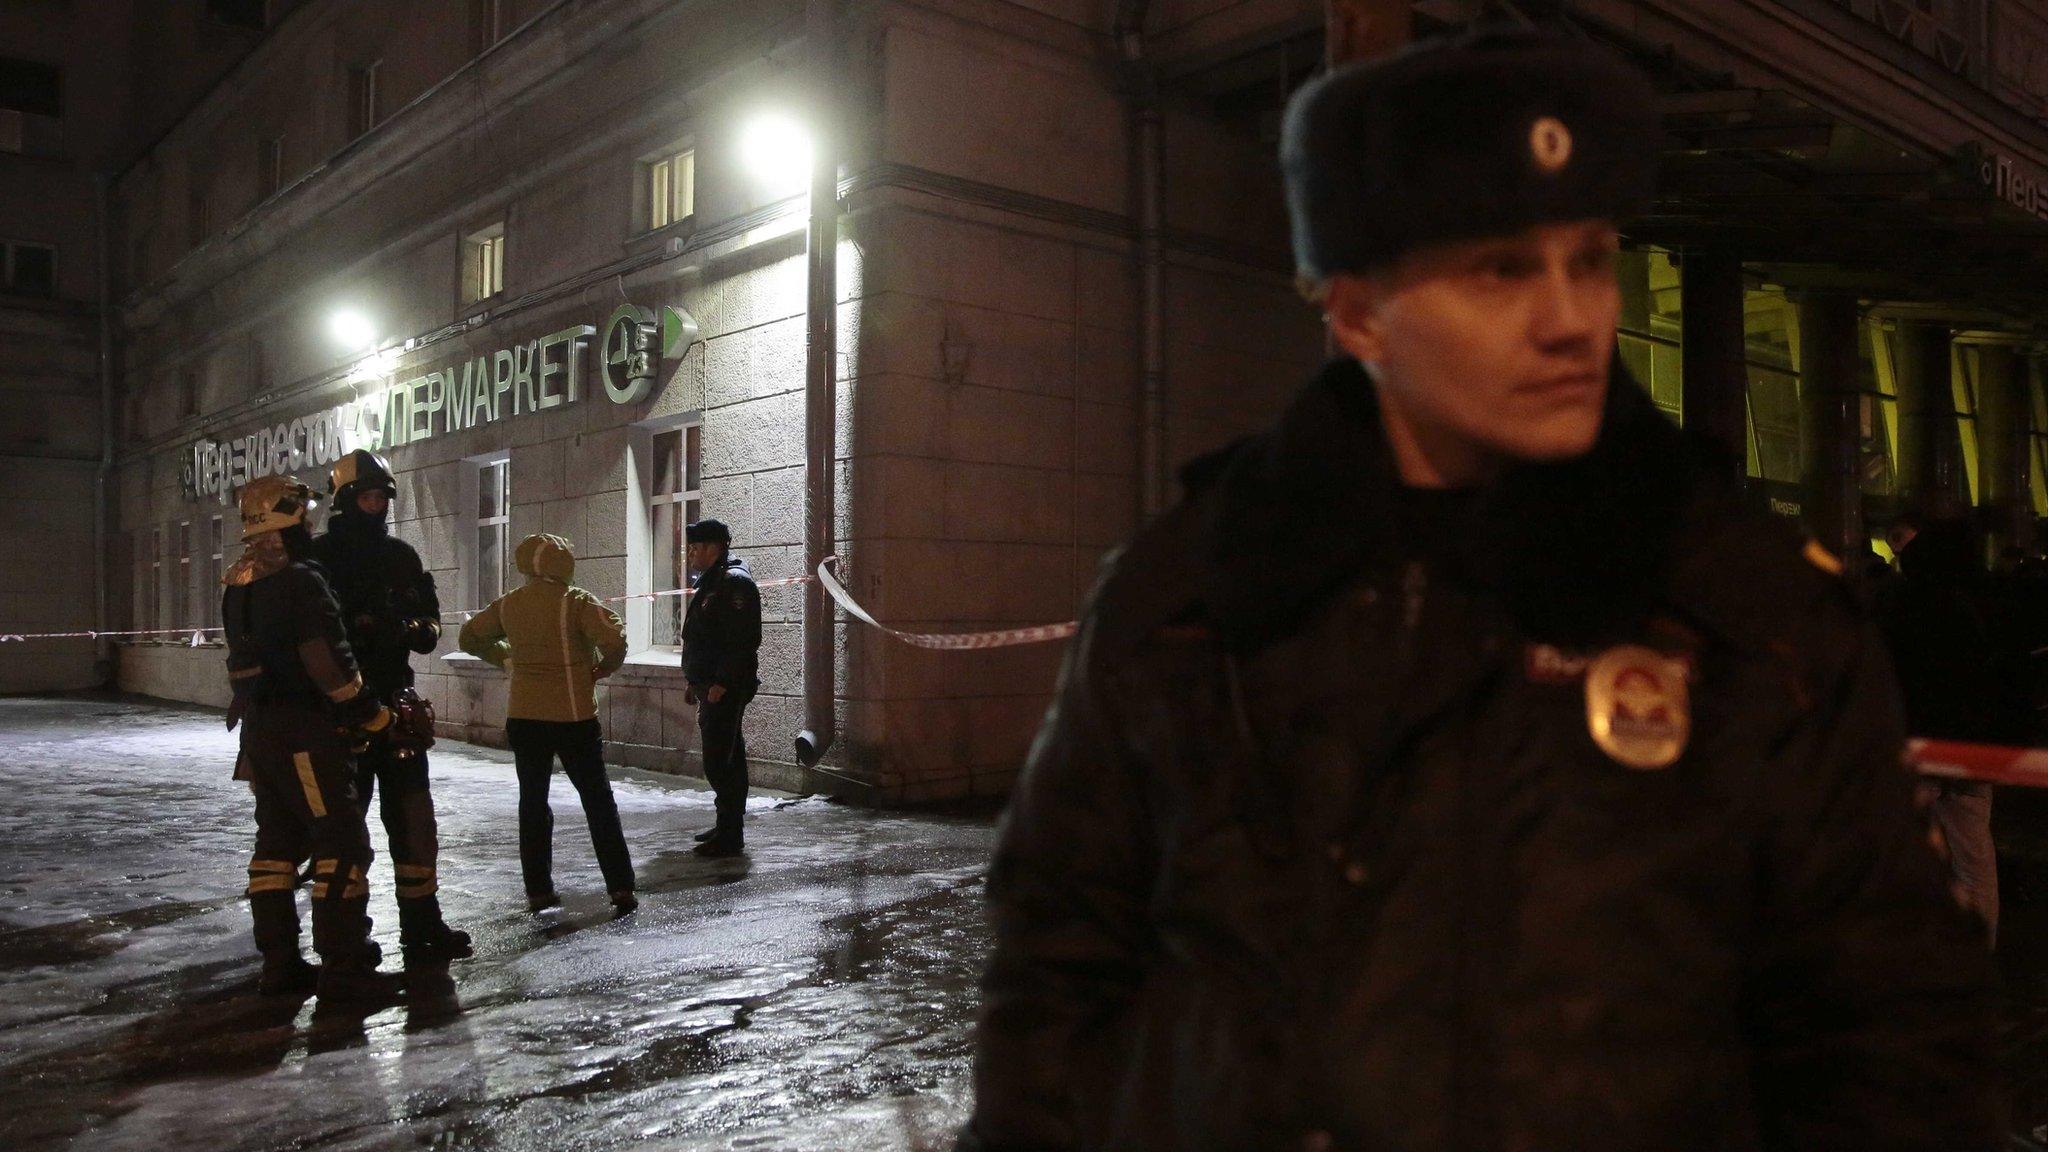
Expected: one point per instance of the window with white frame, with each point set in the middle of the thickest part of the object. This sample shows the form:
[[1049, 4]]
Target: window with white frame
[[216, 556], [674, 499], [671, 186], [492, 557], [152, 587], [181, 576], [483, 263]]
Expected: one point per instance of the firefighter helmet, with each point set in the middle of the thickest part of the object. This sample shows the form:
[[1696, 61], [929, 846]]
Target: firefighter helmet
[[274, 503], [360, 471]]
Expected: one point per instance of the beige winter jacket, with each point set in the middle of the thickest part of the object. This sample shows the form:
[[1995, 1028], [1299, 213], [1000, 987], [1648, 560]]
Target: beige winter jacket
[[557, 641]]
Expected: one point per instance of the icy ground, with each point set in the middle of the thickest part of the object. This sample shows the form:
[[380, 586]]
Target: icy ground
[[816, 995]]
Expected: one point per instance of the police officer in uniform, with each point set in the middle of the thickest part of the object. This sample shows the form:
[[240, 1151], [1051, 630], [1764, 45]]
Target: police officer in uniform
[[1461, 765], [391, 611], [721, 643], [300, 703]]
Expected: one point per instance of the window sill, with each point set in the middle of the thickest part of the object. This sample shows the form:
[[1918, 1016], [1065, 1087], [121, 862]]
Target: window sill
[[652, 666], [655, 239]]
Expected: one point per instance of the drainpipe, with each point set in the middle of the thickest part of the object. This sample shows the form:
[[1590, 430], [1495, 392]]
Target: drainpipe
[[103, 649], [1150, 131], [820, 399]]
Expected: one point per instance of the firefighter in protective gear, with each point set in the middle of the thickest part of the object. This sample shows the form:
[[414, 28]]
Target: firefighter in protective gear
[[390, 610], [301, 704]]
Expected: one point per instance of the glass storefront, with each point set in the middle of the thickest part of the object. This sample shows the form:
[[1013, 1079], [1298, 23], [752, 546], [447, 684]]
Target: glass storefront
[[1651, 346]]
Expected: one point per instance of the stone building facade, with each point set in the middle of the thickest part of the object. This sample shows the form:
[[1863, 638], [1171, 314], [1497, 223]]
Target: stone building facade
[[487, 189], [83, 86], [1061, 270]]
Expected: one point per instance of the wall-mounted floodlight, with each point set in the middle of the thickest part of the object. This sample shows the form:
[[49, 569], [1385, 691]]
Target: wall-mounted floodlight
[[352, 330], [776, 150]]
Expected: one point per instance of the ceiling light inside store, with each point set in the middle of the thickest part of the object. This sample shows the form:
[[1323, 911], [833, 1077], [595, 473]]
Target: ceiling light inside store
[[352, 330], [777, 151]]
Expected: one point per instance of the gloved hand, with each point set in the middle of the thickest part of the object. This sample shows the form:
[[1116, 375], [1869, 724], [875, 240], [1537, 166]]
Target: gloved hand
[[412, 727], [234, 716], [363, 731], [689, 696], [421, 634]]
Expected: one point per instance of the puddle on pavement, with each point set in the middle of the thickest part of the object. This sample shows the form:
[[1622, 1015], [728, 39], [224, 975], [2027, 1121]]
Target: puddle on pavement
[[90, 937]]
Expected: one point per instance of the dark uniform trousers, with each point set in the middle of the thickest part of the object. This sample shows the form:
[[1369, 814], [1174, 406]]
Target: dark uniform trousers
[[299, 768], [725, 763], [399, 784], [580, 744]]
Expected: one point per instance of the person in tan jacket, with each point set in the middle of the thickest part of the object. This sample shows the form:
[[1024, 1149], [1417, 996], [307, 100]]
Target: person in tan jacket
[[557, 641]]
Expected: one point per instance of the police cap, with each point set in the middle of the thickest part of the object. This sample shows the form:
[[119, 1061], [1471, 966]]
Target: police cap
[[708, 532], [1484, 134]]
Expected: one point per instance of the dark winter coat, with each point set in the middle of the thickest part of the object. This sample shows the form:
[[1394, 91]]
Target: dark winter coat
[[285, 641], [722, 630], [1315, 850], [387, 598], [1942, 644]]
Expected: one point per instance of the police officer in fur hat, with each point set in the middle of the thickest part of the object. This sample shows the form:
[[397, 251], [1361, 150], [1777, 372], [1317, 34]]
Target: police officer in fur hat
[[1460, 765], [721, 664]]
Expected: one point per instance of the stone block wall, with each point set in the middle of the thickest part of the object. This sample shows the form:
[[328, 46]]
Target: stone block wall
[[988, 373]]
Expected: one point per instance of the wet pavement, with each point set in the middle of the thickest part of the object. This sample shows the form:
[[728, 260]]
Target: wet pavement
[[815, 994]]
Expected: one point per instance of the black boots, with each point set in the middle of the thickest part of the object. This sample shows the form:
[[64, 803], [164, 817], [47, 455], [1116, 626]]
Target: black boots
[[286, 974], [424, 937], [276, 920], [348, 957]]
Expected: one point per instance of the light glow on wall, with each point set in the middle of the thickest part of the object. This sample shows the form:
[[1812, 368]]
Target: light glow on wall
[[776, 150], [352, 330]]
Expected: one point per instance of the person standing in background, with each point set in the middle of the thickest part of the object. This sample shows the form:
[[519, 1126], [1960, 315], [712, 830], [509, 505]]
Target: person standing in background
[[721, 663], [558, 641]]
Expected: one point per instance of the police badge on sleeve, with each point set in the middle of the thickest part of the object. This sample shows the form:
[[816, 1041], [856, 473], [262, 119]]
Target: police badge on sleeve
[[1636, 706]]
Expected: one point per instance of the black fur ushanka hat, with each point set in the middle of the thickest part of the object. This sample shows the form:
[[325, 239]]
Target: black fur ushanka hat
[[1455, 139]]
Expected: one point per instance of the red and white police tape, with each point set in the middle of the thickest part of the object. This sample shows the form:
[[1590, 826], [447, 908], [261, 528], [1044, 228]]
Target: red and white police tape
[[1989, 763], [944, 641], [952, 641], [1942, 759]]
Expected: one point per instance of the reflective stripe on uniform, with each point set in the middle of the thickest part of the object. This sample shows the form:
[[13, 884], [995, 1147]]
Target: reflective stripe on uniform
[[245, 673], [312, 787], [271, 876], [415, 880], [347, 692], [323, 873]]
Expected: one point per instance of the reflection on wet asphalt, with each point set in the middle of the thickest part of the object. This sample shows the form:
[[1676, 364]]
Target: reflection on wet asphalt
[[815, 994]]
